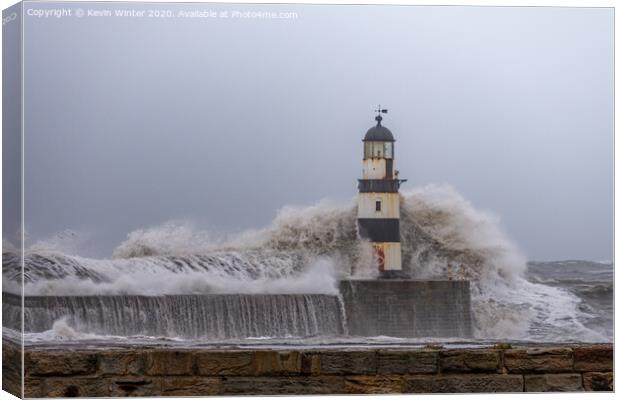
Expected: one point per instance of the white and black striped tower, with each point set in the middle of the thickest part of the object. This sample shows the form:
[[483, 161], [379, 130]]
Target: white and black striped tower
[[378, 206]]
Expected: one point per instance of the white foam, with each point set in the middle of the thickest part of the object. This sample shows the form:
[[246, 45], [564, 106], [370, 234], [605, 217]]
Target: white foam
[[173, 237], [458, 242], [307, 249]]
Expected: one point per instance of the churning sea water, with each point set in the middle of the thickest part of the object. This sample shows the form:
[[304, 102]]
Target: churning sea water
[[290, 271], [591, 282]]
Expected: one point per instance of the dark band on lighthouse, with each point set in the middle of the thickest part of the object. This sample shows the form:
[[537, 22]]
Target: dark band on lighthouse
[[378, 211], [379, 229]]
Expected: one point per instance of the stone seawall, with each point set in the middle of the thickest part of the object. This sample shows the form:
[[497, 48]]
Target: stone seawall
[[68, 371]]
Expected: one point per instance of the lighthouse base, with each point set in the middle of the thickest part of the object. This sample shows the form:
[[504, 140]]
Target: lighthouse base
[[393, 274], [407, 308]]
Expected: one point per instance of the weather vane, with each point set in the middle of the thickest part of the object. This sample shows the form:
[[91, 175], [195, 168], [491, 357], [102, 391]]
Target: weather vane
[[380, 111]]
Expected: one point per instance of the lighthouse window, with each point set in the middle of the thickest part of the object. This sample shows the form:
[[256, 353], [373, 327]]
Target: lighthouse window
[[388, 149], [378, 205], [368, 150], [377, 150]]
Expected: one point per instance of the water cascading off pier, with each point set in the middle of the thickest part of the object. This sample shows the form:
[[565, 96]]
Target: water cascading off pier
[[364, 308]]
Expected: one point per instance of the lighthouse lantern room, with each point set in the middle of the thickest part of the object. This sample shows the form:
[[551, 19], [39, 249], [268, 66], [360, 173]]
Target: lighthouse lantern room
[[378, 208]]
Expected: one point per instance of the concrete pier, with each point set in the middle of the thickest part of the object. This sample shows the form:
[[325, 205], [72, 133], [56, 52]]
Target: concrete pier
[[379, 307], [407, 308]]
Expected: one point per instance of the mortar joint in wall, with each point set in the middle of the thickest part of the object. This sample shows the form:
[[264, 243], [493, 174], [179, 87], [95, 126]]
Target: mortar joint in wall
[[194, 364], [502, 365], [376, 362]]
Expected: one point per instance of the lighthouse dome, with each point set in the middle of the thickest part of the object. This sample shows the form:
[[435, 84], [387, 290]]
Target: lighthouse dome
[[379, 133]]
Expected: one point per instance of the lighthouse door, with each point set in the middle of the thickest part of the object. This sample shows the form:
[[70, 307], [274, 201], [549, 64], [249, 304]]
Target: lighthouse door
[[380, 257]]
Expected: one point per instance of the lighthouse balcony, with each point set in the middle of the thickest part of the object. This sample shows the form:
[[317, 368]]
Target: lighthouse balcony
[[378, 185]]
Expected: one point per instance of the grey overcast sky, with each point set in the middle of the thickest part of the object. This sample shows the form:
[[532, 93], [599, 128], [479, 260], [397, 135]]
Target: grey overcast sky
[[131, 122]]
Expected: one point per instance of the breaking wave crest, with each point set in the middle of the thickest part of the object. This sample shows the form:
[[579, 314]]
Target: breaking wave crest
[[306, 250]]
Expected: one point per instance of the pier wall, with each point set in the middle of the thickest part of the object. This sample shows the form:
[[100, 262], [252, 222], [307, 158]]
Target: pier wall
[[407, 308], [383, 307], [67, 372]]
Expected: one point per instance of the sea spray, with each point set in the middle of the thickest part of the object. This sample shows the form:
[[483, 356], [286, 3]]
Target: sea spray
[[444, 237], [173, 237], [265, 272], [306, 250]]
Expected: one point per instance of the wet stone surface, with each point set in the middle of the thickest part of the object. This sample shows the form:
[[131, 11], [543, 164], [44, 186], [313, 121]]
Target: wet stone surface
[[152, 371]]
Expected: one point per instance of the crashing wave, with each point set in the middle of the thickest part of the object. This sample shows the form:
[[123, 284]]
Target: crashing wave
[[306, 250]]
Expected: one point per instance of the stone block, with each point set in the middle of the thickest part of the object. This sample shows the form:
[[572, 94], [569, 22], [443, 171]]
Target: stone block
[[374, 384], [598, 381], [33, 387], [11, 358], [11, 368], [141, 386], [52, 363], [120, 363], [463, 383], [168, 362], [277, 362], [407, 362], [553, 383], [310, 363], [191, 386], [291, 385], [472, 360], [550, 359], [599, 358], [348, 362], [11, 383], [229, 363], [75, 387]]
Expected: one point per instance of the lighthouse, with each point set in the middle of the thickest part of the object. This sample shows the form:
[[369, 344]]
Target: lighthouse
[[378, 208]]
